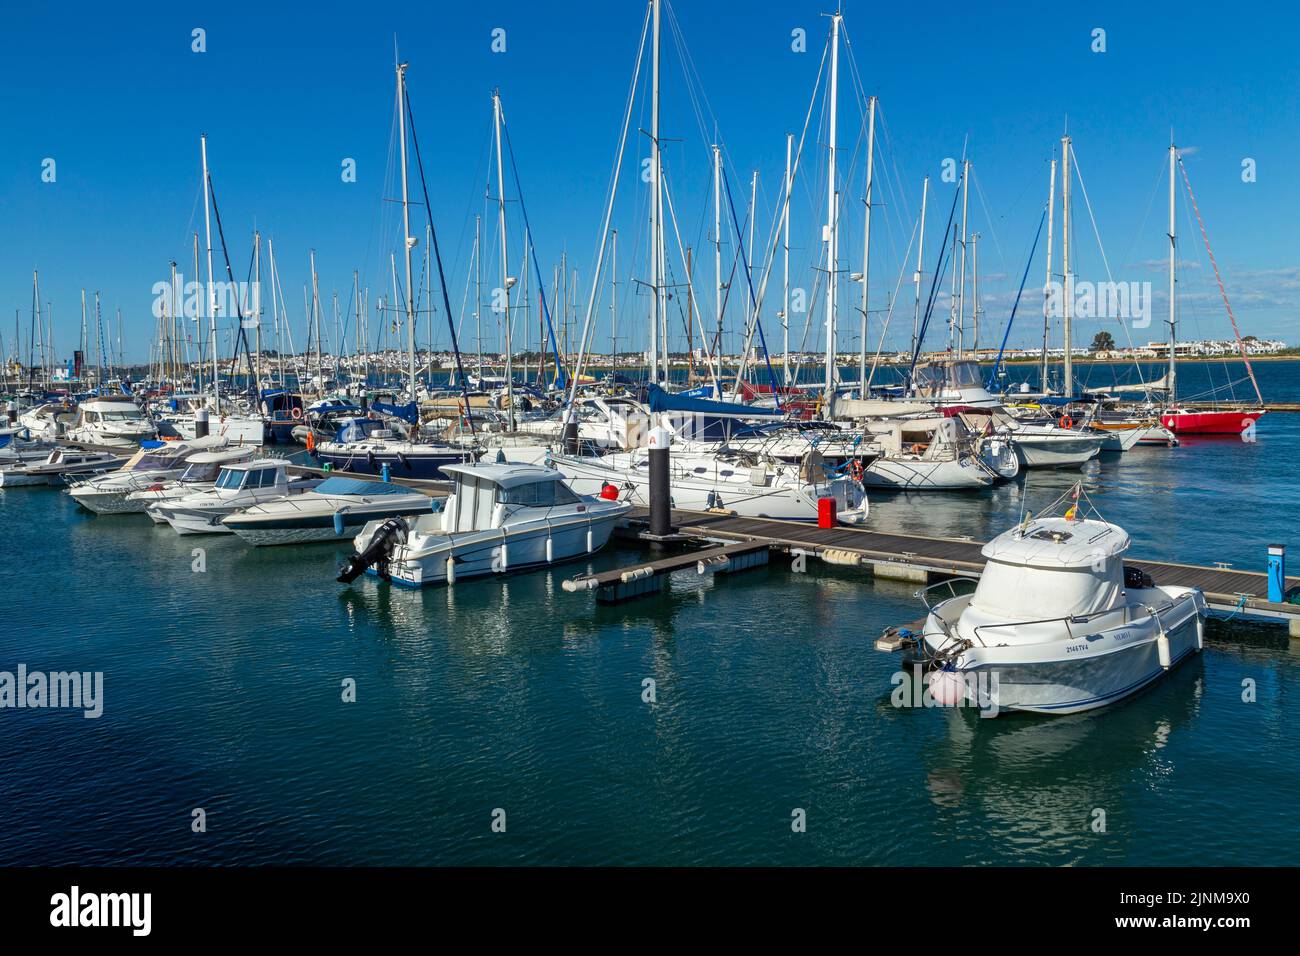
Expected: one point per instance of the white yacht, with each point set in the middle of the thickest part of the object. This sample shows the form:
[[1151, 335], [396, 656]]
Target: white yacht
[[1057, 623], [499, 518], [200, 474], [48, 420], [327, 512], [114, 421], [107, 494], [750, 487], [238, 486], [51, 469]]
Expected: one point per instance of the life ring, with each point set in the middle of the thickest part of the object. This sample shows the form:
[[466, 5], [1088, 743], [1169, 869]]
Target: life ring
[[1066, 421], [855, 470], [296, 414]]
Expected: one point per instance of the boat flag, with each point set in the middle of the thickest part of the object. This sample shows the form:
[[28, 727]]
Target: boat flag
[[1074, 508]]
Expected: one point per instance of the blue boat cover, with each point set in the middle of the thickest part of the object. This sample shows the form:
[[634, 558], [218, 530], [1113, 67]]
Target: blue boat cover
[[408, 412], [356, 486], [661, 401]]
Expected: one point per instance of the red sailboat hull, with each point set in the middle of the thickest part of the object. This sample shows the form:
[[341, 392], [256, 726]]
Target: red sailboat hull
[[1224, 422]]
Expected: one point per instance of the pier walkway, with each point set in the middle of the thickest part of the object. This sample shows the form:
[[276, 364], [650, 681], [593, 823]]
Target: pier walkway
[[922, 558]]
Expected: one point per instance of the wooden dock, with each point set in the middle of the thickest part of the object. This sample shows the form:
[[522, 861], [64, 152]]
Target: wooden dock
[[924, 558]]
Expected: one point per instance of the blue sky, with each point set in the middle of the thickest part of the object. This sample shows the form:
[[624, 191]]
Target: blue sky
[[118, 99]]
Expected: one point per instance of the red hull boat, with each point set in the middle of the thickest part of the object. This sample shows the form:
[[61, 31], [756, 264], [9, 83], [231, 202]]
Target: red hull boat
[[1182, 421]]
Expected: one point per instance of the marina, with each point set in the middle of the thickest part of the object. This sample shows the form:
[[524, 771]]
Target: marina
[[652, 451]]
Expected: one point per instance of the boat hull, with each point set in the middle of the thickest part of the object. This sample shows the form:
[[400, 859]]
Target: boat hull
[[907, 474], [1210, 423], [1055, 453], [400, 464], [1083, 674], [304, 529], [481, 553]]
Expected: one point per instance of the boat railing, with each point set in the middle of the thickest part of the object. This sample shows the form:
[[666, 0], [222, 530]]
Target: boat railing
[[1129, 610], [951, 585]]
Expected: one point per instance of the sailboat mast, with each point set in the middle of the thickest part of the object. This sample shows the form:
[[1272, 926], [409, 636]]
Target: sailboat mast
[[408, 240], [831, 229], [655, 209], [717, 246], [1173, 279], [505, 265], [961, 293], [916, 278], [785, 242], [1067, 384], [1047, 285], [866, 242], [212, 305]]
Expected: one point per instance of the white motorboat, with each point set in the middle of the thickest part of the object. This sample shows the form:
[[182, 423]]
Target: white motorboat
[[499, 518], [48, 420], [107, 494], [327, 512], [241, 485], [1038, 444], [366, 446], [16, 445], [239, 426], [200, 474], [114, 421], [51, 469], [1057, 623], [750, 487]]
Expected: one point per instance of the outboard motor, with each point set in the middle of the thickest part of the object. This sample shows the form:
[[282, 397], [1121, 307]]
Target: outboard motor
[[387, 536]]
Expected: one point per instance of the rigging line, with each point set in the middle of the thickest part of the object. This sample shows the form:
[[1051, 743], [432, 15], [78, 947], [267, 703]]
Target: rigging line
[[993, 376], [767, 356], [934, 283], [1219, 279], [239, 312], [532, 249], [437, 255], [1078, 172], [988, 216], [785, 207], [598, 269], [893, 300]]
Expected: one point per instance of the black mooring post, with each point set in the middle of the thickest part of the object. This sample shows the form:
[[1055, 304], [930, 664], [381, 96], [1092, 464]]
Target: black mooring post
[[12, 413], [571, 438], [661, 515], [201, 423]]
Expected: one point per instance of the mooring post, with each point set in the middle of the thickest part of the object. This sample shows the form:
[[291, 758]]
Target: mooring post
[[661, 514], [571, 437], [11, 410], [1277, 573], [201, 423]]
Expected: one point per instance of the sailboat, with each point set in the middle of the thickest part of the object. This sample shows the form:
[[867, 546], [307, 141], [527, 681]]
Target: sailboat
[[366, 445], [1180, 419]]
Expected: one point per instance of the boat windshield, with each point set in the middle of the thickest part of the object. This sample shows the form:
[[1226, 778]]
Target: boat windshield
[[230, 479], [538, 494], [154, 463], [201, 471]]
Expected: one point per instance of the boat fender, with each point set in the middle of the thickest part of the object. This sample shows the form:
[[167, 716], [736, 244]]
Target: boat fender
[[451, 570], [401, 460], [550, 550], [370, 460], [946, 687], [338, 524], [1162, 650]]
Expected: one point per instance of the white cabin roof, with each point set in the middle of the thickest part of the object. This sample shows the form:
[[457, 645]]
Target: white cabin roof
[[259, 463], [503, 475], [1057, 543], [217, 457], [111, 404]]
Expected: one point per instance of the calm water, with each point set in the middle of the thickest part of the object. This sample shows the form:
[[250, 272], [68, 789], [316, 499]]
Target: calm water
[[222, 691]]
